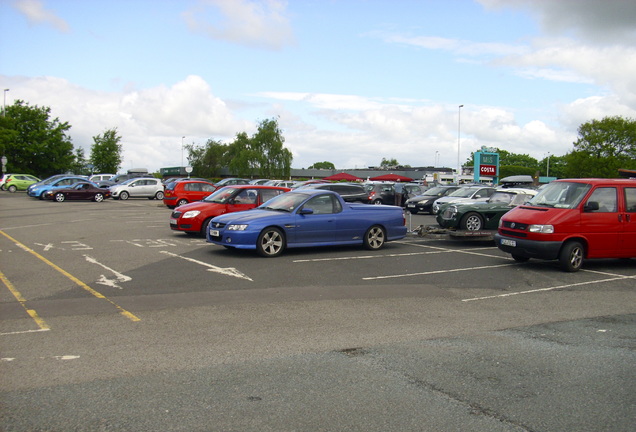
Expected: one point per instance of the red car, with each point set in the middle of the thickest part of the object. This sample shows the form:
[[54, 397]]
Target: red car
[[79, 191], [181, 192], [193, 218]]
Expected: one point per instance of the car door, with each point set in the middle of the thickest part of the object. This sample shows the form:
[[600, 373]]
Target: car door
[[628, 237], [319, 226], [600, 224], [78, 191]]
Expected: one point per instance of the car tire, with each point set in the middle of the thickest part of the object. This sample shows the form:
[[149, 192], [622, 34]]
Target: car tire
[[12, 188], [374, 238], [124, 196], [270, 242], [571, 256], [520, 258], [204, 227], [159, 195], [98, 197], [181, 202], [59, 197], [472, 222], [377, 202]]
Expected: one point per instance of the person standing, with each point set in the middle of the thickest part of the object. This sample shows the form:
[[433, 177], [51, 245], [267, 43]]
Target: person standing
[[398, 189]]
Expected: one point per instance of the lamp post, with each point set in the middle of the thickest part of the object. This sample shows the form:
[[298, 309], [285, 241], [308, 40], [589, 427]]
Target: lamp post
[[436, 157], [182, 138], [459, 123], [4, 104], [547, 174]]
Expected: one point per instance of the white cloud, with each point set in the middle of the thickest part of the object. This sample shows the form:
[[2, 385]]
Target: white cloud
[[150, 121], [261, 24], [36, 14]]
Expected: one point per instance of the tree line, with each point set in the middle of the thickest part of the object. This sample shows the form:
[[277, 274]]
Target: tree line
[[34, 143]]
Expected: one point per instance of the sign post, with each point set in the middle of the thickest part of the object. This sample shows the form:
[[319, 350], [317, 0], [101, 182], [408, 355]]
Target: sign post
[[486, 163]]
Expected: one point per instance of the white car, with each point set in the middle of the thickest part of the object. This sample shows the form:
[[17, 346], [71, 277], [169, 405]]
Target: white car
[[142, 187], [101, 177], [464, 195]]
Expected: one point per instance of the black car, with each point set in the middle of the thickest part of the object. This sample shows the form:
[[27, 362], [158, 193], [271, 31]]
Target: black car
[[424, 202], [384, 193], [350, 192]]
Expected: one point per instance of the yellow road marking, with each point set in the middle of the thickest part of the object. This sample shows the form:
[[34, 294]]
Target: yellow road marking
[[33, 314], [97, 294]]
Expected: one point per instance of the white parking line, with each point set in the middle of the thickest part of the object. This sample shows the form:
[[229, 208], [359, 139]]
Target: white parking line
[[230, 271], [618, 277], [436, 272]]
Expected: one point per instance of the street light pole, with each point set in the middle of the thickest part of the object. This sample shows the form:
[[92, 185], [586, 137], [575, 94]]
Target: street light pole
[[4, 104], [459, 123], [547, 174], [182, 150]]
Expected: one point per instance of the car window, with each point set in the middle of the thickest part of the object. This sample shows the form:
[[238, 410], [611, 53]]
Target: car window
[[606, 198], [207, 187], [246, 196], [630, 199], [267, 194], [323, 204]]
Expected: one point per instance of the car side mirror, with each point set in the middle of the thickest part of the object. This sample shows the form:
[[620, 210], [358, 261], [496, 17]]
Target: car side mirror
[[591, 206], [306, 211]]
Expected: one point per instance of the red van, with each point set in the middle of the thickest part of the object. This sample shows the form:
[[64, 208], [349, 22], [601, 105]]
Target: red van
[[193, 218], [572, 220]]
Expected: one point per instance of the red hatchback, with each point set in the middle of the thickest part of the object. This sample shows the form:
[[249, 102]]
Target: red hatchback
[[181, 192], [193, 218]]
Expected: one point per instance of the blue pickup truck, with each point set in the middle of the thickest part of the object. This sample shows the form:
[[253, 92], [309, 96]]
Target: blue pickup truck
[[307, 218]]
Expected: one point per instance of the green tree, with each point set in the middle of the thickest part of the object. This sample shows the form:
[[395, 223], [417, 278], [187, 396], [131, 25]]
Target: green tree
[[389, 163], [263, 154], [602, 148], [323, 165], [33, 143], [106, 152], [207, 161], [80, 163]]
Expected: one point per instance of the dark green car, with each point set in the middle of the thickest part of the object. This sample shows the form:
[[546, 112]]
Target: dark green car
[[483, 215]]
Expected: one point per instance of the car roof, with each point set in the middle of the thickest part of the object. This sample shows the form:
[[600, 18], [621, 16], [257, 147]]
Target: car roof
[[517, 190], [598, 181], [251, 186]]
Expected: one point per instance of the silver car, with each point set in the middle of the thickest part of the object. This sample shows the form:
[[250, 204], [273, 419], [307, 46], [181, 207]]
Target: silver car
[[142, 187]]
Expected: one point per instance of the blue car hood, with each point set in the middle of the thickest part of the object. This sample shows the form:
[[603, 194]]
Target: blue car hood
[[248, 216]]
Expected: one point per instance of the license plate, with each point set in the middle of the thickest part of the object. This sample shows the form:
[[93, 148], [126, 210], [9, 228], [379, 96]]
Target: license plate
[[507, 242], [410, 205], [214, 233], [173, 221]]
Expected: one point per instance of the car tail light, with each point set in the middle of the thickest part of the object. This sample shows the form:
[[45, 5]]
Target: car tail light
[[371, 195]]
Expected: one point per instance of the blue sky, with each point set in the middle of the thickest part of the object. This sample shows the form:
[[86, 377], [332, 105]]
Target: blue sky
[[351, 81]]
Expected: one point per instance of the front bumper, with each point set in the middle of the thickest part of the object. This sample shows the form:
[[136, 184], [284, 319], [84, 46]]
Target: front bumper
[[547, 250]]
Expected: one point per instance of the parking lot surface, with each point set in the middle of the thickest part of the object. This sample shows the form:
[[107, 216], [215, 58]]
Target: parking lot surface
[[111, 321]]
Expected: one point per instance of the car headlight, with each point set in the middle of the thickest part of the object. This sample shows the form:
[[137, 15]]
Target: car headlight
[[237, 227], [543, 229], [191, 214]]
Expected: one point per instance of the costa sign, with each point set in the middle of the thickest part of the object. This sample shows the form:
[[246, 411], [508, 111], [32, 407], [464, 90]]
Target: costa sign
[[489, 170]]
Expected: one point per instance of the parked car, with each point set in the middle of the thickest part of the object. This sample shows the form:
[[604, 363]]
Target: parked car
[[141, 187], [307, 218], [463, 195], [100, 177], [16, 182], [193, 218], [573, 220], [259, 181], [79, 191], [384, 193], [482, 215], [231, 181], [178, 193], [37, 190], [424, 202], [350, 192]]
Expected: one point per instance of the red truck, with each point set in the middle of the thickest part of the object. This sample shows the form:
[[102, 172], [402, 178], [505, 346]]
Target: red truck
[[572, 220]]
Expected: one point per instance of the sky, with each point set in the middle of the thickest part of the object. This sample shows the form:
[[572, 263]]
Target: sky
[[350, 82]]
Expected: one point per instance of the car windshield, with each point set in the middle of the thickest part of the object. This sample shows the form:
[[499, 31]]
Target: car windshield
[[560, 195], [287, 202], [501, 197], [221, 196], [125, 182], [462, 193], [436, 191]]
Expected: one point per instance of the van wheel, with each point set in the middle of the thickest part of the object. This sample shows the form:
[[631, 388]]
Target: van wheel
[[571, 256]]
